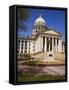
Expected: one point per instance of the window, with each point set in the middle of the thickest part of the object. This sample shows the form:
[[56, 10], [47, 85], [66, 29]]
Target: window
[[25, 51], [18, 42], [29, 51], [21, 50], [18, 51], [50, 55], [36, 31], [39, 28]]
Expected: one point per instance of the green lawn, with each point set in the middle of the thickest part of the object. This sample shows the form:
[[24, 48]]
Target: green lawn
[[43, 77]]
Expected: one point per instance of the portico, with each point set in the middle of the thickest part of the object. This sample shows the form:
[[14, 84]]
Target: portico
[[50, 43]]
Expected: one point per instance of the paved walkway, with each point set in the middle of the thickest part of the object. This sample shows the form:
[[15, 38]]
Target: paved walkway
[[56, 70], [50, 70]]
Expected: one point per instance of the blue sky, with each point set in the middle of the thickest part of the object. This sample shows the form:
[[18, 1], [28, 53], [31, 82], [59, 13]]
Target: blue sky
[[54, 19]]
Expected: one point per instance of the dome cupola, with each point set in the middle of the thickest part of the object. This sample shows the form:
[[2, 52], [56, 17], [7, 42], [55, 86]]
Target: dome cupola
[[39, 25], [39, 21]]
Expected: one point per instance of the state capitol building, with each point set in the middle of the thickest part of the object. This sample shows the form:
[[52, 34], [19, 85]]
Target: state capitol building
[[44, 43]]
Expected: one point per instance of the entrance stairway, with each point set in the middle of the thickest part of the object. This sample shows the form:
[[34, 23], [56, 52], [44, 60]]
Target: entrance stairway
[[59, 56], [50, 56]]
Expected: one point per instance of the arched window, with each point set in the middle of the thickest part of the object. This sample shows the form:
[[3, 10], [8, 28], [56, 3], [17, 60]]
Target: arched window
[[39, 28]]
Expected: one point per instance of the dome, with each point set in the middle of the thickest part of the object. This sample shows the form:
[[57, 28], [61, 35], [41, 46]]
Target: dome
[[39, 21]]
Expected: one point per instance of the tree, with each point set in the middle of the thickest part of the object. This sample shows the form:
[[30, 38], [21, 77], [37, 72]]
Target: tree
[[23, 16]]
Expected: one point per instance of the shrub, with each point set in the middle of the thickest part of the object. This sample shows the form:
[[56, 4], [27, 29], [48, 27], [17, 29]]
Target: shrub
[[24, 57]]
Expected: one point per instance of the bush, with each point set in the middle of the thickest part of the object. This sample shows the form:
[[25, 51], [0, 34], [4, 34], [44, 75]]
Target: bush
[[24, 57], [34, 63]]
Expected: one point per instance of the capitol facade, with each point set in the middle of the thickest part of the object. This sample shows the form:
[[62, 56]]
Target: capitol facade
[[44, 44]]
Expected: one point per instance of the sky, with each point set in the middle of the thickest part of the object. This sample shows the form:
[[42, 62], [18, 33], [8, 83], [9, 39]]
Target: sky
[[54, 19]]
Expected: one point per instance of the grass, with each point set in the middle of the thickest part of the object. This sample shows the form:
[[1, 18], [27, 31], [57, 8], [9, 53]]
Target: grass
[[42, 63], [43, 77]]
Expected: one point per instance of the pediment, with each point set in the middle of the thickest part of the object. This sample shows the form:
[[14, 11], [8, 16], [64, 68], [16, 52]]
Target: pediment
[[52, 32]]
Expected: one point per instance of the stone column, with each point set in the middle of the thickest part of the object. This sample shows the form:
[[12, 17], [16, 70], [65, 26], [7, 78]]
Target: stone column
[[23, 46], [45, 45], [20, 45], [49, 44], [60, 45], [27, 46]]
